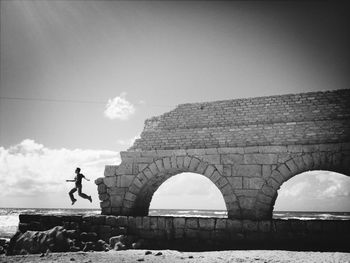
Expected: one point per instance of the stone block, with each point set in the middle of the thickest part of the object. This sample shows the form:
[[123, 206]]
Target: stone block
[[179, 222], [250, 170], [142, 178], [273, 183], [192, 223], [110, 170], [105, 204], [153, 168], [226, 150], [209, 171], [295, 148], [110, 181], [195, 152], [247, 202], [211, 151], [299, 163], [272, 149], [102, 189], [260, 158], [124, 168], [146, 222], [251, 149], [187, 161], [130, 196], [253, 182], [285, 172], [147, 172], [103, 197], [201, 167], [215, 177], [227, 170], [231, 159], [99, 181], [292, 166], [167, 163], [212, 158], [116, 200], [236, 182], [180, 161], [266, 171], [142, 166], [206, 223], [268, 190], [264, 199], [310, 148], [126, 180], [138, 222], [160, 165], [173, 162], [153, 223], [220, 224], [308, 160], [194, 164], [276, 175], [164, 153], [152, 153], [161, 223]]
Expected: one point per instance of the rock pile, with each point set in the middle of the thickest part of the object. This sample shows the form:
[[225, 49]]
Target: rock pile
[[58, 239]]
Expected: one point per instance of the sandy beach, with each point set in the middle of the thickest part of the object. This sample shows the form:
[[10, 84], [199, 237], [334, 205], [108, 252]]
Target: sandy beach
[[176, 256]]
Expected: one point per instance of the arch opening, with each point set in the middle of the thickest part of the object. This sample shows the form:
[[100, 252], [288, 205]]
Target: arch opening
[[188, 194], [316, 194]]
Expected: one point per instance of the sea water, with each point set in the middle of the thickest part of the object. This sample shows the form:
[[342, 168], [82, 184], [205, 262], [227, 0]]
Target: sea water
[[9, 216]]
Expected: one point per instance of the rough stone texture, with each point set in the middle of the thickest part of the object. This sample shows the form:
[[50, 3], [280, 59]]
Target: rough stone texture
[[247, 147], [210, 233]]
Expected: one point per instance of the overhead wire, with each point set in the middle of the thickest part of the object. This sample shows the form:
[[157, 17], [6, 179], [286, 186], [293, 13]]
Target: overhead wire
[[72, 101]]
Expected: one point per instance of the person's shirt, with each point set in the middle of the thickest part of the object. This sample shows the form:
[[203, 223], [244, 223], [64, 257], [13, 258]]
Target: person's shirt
[[78, 178]]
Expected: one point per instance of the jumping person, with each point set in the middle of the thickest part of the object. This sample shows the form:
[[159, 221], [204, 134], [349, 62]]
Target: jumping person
[[78, 186]]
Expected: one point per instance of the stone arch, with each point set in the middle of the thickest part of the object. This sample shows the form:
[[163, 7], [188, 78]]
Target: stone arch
[[139, 194], [329, 161]]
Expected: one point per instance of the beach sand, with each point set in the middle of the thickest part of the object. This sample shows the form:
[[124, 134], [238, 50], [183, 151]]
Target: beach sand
[[170, 256]]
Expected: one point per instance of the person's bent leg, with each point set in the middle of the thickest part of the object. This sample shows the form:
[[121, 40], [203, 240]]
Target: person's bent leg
[[85, 196], [71, 195]]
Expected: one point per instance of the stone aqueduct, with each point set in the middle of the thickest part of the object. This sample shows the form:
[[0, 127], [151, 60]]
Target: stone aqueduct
[[247, 147]]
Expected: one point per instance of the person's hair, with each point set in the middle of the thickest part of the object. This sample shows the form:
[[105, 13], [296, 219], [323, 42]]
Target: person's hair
[[78, 169]]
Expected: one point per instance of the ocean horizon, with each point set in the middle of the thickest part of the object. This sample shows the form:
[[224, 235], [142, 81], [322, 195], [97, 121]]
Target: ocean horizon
[[9, 216]]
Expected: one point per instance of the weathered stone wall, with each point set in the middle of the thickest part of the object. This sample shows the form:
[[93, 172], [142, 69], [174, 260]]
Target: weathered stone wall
[[248, 148], [317, 117], [204, 233]]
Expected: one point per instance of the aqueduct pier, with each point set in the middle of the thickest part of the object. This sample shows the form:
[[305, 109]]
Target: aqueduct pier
[[247, 147]]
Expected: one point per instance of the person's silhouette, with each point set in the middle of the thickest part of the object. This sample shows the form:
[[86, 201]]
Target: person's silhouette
[[78, 186]]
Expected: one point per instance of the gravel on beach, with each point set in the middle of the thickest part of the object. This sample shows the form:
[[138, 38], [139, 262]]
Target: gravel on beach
[[169, 256]]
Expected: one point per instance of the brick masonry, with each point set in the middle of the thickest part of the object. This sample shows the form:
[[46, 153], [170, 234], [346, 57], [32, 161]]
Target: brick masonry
[[203, 233], [248, 148]]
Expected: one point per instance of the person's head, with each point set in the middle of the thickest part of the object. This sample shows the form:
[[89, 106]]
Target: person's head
[[77, 170]]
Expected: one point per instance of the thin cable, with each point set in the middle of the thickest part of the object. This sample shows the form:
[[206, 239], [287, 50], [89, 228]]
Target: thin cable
[[73, 101]]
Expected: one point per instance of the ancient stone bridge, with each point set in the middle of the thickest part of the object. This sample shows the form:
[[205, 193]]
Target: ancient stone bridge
[[247, 147]]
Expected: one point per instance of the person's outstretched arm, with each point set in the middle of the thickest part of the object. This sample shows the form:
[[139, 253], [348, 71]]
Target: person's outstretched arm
[[87, 179], [71, 180]]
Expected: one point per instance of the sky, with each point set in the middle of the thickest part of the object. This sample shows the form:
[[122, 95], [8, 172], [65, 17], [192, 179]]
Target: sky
[[79, 78]]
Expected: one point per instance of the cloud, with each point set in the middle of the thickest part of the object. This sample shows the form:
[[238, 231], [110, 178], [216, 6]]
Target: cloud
[[119, 108], [31, 169], [294, 190]]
